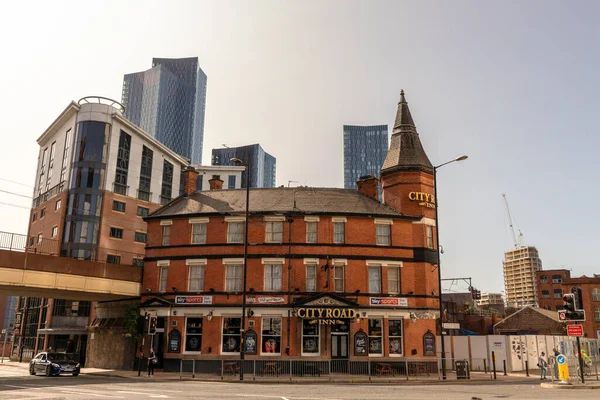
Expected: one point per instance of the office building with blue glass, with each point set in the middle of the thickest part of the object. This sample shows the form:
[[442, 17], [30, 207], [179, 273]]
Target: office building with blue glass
[[262, 164], [365, 149], [168, 101]]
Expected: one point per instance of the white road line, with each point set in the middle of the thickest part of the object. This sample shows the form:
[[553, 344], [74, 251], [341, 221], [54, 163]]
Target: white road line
[[281, 397], [154, 390], [157, 396], [92, 394], [22, 387]]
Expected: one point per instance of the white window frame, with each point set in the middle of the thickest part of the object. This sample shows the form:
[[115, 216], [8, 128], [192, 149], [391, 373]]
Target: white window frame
[[390, 337], [199, 237], [163, 276], [233, 267], [262, 329], [341, 267], [597, 314], [199, 266], [596, 294], [383, 233], [336, 233], [429, 236], [270, 278], [223, 336], [166, 238], [318, 336], [55, 231], [398, 280], [274, 232], [313, 287], [312, 236], [192, 334], [238, 236], [375, 336], [374, 268]]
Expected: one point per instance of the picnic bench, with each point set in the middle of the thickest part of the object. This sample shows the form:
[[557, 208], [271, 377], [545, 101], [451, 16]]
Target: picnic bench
[[271, 368], [385, 369], [232, 368]]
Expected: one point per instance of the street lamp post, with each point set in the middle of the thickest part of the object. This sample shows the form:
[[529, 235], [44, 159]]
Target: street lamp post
[[243, 324], [437, 239]]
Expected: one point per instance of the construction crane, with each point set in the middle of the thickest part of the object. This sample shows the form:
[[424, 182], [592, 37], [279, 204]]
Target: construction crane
[[517, 242]]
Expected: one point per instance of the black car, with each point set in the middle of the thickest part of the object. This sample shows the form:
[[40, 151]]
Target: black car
[[55, 364]]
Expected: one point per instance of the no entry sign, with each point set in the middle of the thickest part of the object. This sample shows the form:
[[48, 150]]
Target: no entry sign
[[575, 330]]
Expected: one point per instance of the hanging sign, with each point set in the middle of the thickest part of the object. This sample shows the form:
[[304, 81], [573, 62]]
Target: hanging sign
[[264, 299], [389, 301], [193, 299], [360, 343], [250, 341]]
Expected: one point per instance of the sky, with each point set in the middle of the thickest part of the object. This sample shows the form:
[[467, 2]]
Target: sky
[[512, 84]]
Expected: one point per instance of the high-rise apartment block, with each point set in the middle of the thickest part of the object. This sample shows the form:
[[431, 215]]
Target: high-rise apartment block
[[520, 267], [365, 149], [168, 101], [490, 298], [262, 164]]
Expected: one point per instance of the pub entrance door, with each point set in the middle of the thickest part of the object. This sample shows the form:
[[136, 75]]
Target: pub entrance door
[[340, 336]]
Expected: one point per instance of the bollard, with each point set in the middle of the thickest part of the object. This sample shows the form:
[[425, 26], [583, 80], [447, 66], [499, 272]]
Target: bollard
[[193, 369], [484, 366], [494, 363], [526, 368], [504, 362]]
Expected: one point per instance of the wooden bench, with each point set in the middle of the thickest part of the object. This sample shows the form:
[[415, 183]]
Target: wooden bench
[[232, 368], [270, 367], [385, 369]]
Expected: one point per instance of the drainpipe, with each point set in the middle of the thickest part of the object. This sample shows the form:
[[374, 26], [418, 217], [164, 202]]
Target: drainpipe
[[290, 220]]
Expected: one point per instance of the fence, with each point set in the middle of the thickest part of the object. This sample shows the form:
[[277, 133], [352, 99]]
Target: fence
[[590, 369], [53, 247], [372, 370]]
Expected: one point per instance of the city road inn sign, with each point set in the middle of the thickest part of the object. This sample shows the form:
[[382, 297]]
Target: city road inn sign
[[326, 316], [424, 199]]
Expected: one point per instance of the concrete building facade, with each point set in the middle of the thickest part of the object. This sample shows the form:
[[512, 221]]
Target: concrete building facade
[[520, 266]]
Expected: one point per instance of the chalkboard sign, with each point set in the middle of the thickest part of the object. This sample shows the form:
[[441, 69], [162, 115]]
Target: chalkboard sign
[[174, 341], [250, 342], [429, 344], [360, 343]]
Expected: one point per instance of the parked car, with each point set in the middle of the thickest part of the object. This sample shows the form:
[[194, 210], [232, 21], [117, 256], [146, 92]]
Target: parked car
[[55, 364]]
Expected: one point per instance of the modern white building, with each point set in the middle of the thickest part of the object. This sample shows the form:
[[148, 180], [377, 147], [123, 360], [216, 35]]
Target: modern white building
[[490, 298], [231, 175], [520, 266]]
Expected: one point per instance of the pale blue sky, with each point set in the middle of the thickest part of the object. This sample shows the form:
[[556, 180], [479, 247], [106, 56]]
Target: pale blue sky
[[513, 84]]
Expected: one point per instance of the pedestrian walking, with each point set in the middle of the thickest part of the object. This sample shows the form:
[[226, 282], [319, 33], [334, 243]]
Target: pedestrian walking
[[152, 360], [543, 365], [555, 363]]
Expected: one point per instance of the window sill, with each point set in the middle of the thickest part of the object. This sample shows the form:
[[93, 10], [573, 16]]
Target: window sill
[[270, 354], [376, 355], [311, 354]]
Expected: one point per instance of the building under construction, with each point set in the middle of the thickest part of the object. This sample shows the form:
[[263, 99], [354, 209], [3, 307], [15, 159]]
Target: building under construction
[[520, 266]]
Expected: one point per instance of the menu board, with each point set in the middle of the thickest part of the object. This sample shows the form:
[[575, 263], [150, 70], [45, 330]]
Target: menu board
[[360, 343], [429, 344], [250, 342], [174, 341]]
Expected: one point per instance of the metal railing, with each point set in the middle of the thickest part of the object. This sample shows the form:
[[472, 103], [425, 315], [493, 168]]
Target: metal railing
[[119, 188], [18, 242], [293, 369], [591, 369], [144, 195], [53, 191]]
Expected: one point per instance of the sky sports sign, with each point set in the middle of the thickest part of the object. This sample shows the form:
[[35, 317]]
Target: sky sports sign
[[193, 299], [389, 301]]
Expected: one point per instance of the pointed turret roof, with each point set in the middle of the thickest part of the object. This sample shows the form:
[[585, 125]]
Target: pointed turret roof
[[406, 151]]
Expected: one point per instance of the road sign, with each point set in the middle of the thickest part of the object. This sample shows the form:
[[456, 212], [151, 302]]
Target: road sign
[[576, 316], [562, 315], [451, 325], [575, 330], [563, 368]]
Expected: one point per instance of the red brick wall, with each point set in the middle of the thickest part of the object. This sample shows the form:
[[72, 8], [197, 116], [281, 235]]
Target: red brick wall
[[550, 303], [396, 187], [587, 285], [52, 218]]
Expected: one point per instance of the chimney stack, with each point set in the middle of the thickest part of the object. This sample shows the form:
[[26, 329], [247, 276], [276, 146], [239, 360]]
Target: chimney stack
[[190, 176], [215, 183], [369, 186]]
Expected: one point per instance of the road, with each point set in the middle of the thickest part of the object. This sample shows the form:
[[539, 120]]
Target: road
[[16, 384]]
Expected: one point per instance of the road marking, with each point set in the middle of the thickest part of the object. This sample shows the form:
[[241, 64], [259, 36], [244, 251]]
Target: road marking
[[284, 398], [154, 390], [156, 396], [92, 394], [22, 387]]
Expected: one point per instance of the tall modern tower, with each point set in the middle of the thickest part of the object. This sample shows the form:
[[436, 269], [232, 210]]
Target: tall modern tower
[[520, 266], [262, 164], [168, 101], [365, 148]]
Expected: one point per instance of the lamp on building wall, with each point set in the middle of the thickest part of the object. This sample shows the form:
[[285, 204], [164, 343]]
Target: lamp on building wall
[[437, 239], [209, 316], [413, 317], [243, 324]]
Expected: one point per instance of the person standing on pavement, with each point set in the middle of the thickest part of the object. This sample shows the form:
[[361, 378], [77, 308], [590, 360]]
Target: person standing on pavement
[[543, 365], [152, 359], [555, 364]]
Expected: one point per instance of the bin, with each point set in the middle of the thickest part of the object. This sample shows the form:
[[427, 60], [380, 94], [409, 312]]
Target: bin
[[462, 369]]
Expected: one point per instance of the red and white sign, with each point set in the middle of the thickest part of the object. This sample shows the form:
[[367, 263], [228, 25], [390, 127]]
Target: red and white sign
[[389, 301], [575, 330], [193, 299]]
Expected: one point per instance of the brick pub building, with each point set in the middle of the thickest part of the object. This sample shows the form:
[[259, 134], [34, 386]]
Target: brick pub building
[[332, 273]]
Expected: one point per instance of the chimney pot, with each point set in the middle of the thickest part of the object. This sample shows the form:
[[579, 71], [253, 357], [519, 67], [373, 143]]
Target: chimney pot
[[215, 184], [369, 186], [190, 176]]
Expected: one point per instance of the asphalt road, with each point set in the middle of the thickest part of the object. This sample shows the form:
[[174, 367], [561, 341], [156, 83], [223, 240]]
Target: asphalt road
[[15, 384]]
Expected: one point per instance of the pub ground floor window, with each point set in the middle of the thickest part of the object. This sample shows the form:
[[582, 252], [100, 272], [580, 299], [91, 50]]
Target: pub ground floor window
[[375, 336], [271, 336], [310, 338], [395, 337], [231, 334], [193, 334]]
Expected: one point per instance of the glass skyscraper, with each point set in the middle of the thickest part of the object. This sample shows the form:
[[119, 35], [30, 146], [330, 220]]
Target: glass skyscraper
[[168, 101], [365, 149], [262, 164]]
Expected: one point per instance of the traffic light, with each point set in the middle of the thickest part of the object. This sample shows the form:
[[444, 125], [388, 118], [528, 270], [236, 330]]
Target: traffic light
[[571, 311], [152, 326], [578, 298]]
